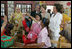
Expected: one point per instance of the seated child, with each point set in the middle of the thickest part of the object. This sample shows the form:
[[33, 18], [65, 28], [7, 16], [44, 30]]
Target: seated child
[[43, 35]]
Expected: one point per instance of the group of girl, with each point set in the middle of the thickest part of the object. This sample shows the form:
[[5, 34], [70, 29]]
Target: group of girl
[[38, 33], [42, 29]]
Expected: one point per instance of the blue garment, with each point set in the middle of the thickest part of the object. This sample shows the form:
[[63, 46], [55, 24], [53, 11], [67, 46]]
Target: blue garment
[[44, 19], [28, 23]]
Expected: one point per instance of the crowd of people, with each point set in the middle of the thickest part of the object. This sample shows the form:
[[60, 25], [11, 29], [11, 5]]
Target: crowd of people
[[38, 26]]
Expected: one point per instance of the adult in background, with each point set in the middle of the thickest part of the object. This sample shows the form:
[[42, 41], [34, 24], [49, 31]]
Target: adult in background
[[66, 19], [49, 11], [44, 14], [55, 22], [36, 11]]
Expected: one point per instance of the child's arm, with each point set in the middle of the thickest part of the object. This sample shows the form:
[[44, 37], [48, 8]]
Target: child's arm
[[32, 17], [42, 44], [36, 45]]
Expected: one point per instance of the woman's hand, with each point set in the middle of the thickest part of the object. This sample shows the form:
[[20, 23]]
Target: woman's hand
[[61, 25], [32, 17]]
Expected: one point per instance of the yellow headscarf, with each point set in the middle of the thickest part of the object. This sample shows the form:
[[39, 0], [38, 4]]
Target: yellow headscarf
[[18, 16]]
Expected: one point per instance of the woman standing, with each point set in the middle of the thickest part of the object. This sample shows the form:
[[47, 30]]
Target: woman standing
[[66, 19], [55, 22], [17, 16], [43, 37], [44, 14], [16, 19]]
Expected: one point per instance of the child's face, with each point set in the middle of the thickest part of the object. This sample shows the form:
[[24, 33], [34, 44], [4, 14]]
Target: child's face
[[42, 24], [37, 17]]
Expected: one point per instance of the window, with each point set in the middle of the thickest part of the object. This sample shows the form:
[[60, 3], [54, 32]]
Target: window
[[29, 8], [19, 6], [10, 8], [24, 7], [2, 9], [50, 7]]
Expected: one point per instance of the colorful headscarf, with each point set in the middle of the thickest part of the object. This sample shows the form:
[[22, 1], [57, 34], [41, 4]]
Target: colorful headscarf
[[17, 16]]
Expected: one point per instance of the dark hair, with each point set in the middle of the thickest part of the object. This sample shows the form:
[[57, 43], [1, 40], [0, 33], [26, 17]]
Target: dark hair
[[62, 9], [2, 16], [49, 10], [58, 7], [44, 6], [9, 26], [39, 16], [46, 23]]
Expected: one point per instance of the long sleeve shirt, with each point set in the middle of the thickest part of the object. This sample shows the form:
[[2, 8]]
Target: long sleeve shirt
[[55, 22]]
